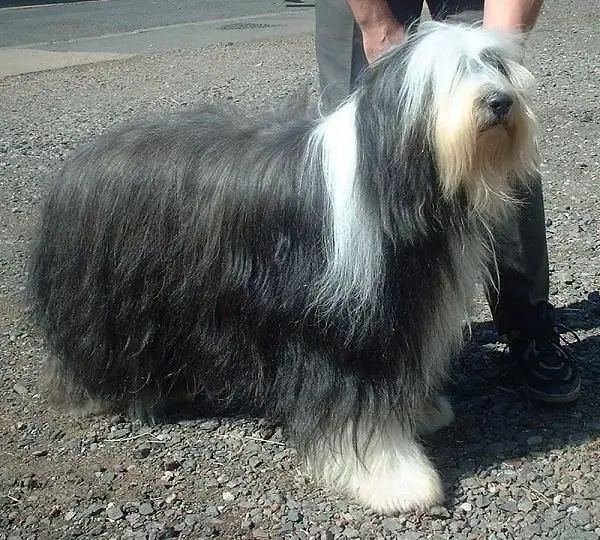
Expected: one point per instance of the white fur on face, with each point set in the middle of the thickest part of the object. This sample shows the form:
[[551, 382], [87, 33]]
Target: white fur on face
[[449, 63], [438, 60]]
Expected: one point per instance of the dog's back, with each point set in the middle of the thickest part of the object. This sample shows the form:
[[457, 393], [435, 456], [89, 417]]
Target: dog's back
[[157, 225]]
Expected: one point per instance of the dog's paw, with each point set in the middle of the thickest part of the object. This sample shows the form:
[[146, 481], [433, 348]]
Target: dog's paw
[[391, 475], [407, 485], [436, 414]]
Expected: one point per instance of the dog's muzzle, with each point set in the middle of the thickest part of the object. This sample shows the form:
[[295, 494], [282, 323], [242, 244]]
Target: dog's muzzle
[[497, 107], [499, 103]]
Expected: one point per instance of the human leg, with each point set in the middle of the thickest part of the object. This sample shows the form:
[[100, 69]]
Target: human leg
[[339, 47], [519, 299]]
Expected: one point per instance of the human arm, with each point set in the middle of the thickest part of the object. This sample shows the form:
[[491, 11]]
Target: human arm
[[511, 15], [380, 29]]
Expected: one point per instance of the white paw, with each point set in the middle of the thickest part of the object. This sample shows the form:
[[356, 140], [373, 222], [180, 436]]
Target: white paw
[[392, 474], [437, 414], [406, 484]]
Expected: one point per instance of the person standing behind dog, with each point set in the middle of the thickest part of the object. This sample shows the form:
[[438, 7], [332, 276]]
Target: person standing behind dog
[[352, 33]]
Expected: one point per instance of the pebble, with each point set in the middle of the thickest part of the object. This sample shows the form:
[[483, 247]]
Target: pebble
[[351, 532], [146, 509], [439, 512], [277, 498], [525, 505], [456, 526], [294, 515], [171, 465], [114, 513], [173, 441], [70, 515], [246, 525], [108, 477], [189, 464], [482, 501], [392, 524], [411, 535], [57, 435], [209, 425], [228, 496], [133, 518], [94, 509], [20, 389], [580, 517], [54, 512], [191, 519], [142, 452], [255, 462], [212, 511], [119, 434], [286, 527], [509, 506]]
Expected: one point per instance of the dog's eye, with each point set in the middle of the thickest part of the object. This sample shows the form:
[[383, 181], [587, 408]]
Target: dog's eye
[[490, 58]]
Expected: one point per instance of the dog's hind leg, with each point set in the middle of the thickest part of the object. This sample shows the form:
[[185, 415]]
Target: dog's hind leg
[[436, 414], [64, 391]]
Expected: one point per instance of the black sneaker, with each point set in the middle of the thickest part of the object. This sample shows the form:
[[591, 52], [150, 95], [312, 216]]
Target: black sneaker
[[549, 370]]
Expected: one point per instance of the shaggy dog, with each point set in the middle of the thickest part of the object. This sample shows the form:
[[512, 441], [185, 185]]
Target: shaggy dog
[[314, 270]]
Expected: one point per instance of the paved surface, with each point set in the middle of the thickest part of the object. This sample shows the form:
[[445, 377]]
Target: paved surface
[[511, 470], [56, 36], [69, 21]]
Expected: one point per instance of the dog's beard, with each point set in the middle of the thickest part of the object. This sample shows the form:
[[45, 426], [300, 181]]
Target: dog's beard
[[483, 155]]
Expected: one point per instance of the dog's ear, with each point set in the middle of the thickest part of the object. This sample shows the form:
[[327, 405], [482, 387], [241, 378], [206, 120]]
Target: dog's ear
[[520, 77]]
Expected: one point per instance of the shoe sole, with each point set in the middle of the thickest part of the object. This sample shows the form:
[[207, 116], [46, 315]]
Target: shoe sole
[[550, 398]]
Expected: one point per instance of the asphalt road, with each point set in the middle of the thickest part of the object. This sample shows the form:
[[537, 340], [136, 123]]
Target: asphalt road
[[70, 21], [39, 38]]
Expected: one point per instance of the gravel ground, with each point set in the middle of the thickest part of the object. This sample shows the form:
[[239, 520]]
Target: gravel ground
[[511, 470]]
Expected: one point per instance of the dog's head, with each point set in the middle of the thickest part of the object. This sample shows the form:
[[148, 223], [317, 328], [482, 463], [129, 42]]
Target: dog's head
[[464, 92]]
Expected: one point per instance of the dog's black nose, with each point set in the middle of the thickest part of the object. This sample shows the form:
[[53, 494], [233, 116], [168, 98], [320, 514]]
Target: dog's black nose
[[499, 103]]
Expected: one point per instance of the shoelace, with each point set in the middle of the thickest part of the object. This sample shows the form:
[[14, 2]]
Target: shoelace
[[548, 341], [547, 354]]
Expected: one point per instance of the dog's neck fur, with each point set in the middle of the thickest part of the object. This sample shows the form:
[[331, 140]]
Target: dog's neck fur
[[360, 168]]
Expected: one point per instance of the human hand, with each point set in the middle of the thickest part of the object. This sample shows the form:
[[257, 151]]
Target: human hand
[[380, 37]]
